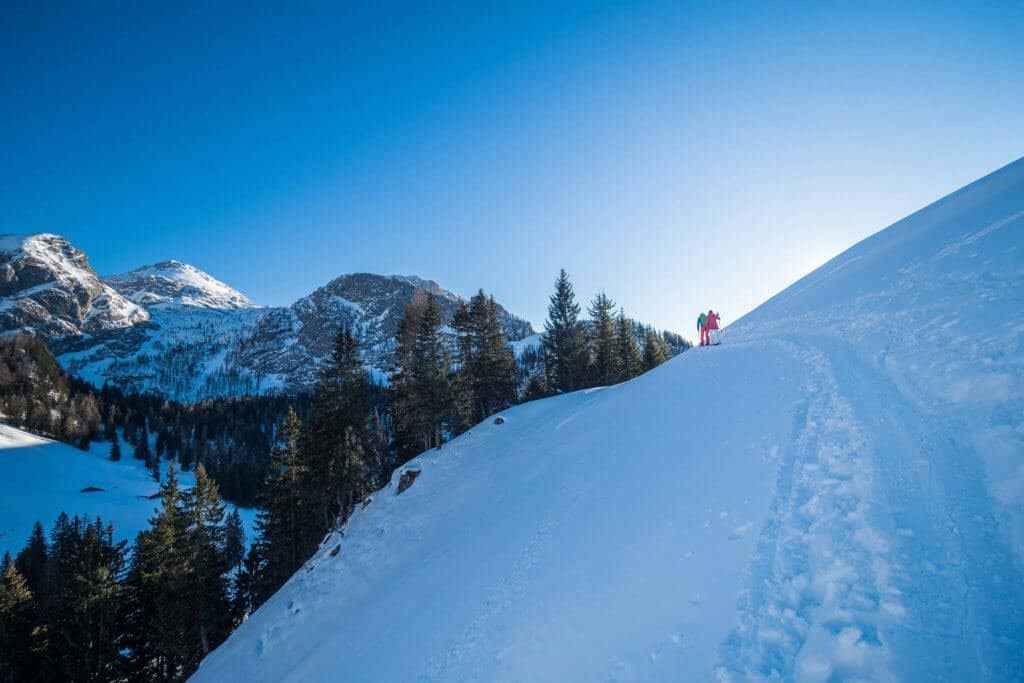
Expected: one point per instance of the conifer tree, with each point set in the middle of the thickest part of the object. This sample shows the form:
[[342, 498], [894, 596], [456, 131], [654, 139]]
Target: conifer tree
[[115, 449], [159, 618], [629, 360], [333, 474], [31, 561], [234, 540], [83, 608], [424, 403], [565, 341], [283, 519], [604, 350], [17, 620], [656, 351], [206, 583], [486, 377]]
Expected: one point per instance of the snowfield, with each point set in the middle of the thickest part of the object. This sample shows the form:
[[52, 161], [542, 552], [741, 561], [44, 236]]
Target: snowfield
[[834, 493], [42, 478]]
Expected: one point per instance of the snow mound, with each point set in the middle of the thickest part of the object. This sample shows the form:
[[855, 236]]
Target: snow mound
[[834, 493], [173, 283]]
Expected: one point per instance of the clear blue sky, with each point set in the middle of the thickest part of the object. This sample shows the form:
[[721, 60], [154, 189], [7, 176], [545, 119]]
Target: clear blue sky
[[678, 155]]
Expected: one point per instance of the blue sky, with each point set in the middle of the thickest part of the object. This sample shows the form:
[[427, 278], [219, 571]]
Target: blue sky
[[676, 155]]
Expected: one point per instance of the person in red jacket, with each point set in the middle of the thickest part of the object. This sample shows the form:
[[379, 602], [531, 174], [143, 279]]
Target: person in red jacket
[[712, 327]]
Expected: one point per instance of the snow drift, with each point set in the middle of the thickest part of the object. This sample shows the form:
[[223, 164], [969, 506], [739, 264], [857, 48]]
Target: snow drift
[[835, 493]]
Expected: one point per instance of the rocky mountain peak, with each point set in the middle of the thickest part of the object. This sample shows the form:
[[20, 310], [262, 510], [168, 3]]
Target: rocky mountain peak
[[173, 283], [49, 289]]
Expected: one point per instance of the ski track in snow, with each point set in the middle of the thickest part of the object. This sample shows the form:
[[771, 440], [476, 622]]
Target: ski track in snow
[[819, 584]]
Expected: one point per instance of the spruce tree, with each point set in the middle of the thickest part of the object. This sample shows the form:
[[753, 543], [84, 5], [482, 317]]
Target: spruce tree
[[17, 619], [603, 336], [83, 610], [234, 540], [565, 341], [341, 408], [656, 351], [205, 581], [424, 403], [486, 377], [115, 449], [629, 360], [159, 617], [31, 561], [283, 518]]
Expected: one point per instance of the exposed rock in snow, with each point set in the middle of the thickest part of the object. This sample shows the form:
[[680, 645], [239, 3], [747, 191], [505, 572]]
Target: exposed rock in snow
[[173, 283], [49, 289]]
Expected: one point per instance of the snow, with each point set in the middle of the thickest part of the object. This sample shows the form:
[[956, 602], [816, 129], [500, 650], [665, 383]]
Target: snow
[[70, 268], [173, 283], [42, 478], [532, 342], [834, 493]]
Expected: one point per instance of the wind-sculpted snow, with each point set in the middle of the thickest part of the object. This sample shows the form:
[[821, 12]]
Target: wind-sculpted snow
[[835, 493]]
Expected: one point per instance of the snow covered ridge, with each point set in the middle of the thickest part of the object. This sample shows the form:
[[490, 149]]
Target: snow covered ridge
[[47, 287], [172, 283], [835, 493], [171, 328]]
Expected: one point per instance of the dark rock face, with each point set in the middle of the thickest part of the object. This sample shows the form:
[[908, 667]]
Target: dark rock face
[[406, 480]]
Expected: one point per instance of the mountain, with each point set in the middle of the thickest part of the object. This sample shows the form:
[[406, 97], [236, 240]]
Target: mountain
[[172, 328], [836, 492], [173, 283], [48, 287]]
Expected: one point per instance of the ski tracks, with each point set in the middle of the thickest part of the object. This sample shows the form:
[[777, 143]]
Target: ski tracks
[[819, 589]]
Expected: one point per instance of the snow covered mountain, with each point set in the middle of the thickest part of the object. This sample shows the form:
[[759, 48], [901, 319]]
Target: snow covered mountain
[[171, 328], [173, 283], [834, 493], [47, 287]]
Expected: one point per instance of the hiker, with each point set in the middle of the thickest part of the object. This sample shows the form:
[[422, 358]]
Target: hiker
[[712, 327], [701, 326]]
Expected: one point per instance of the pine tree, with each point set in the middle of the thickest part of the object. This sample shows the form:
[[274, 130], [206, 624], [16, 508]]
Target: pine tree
[[159, 618], [283, 518], [83, 610], [656, 351], [486, 377], [424, 404], [234, 540], [205, 581], [337, 425], [17, 619], [604, 350], [629, 361], [115, 449], [31, 561], [565, 341]]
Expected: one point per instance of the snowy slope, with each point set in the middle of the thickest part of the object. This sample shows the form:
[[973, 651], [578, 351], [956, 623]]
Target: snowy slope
[[42, 478], [834, 493]]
